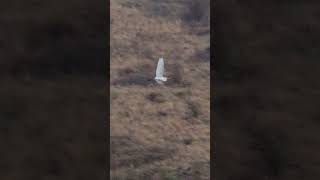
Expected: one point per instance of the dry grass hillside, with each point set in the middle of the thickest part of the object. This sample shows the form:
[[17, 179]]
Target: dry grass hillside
[[267, 86], [159, 132]]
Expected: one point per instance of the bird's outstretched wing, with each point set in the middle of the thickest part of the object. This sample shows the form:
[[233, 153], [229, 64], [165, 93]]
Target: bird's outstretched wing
[[160, 68]]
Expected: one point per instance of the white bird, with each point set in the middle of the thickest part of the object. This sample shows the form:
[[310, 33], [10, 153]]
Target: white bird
[[160, 72]]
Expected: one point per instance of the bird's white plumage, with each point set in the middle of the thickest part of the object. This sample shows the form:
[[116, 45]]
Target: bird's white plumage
[[160, 68], [160, 72]]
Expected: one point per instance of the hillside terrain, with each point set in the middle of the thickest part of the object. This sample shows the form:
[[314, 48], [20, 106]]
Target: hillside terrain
[[160, 132], [267, 104]]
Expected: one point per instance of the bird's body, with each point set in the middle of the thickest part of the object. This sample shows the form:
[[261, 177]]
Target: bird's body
[[160, 72]]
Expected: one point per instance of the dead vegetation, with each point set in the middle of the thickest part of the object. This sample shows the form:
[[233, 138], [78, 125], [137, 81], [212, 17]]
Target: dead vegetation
[[159, 142]]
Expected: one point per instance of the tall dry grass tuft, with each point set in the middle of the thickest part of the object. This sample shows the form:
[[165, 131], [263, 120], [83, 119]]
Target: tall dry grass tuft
[[198, 11]]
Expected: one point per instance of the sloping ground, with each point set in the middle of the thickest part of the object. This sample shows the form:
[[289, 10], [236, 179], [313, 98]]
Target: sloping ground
[[267, 116], [159, 131]]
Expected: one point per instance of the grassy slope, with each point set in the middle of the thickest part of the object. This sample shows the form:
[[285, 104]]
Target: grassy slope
[[158, 131], [268, 91]]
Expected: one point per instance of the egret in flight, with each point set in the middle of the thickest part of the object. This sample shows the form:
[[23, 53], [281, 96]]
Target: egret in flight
[[160, 79]]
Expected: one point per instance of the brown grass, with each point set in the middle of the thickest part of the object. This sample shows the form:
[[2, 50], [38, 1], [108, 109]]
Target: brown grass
[[158, 132]]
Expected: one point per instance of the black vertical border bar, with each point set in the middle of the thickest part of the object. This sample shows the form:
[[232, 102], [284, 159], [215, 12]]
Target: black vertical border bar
[[107, 131], [44, 36], [212, 92]]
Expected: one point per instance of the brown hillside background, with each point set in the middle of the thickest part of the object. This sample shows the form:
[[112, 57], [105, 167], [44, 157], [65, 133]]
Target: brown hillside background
[[267, 104], [53, 94], [160, 132]]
